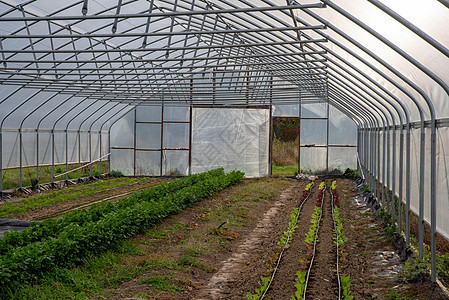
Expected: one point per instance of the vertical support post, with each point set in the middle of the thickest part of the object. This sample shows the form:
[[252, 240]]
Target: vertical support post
[[393, 184], [300, 124], [191, 124], [433, 204], [270, 141], [421, 191], [1, 163], [401, 176], [135, 140], [327, 139], [79, 155], [53, 157], [407, 187], [20, 159], [384, 158], [162, 138], [378, 185], [388, 169]]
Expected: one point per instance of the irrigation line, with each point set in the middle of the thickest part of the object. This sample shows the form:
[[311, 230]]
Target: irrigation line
[[336, 235], [314, 245], [285, 246]]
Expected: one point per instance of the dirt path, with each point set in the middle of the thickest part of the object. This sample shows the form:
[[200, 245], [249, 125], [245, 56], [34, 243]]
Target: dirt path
[[236, 277]]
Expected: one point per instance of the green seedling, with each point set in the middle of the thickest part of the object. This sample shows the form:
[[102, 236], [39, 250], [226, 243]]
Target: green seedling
[[310, 236], [346, 286], [300, 285], [265, 281], [322, 185]]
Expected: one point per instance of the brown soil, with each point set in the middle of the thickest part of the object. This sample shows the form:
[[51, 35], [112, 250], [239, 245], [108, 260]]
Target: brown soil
[[234, 256], [368, 257]]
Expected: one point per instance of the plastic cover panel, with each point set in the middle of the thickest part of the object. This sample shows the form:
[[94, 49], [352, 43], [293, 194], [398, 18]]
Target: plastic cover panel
[[313, 132], [342, 130], [176, 135], [149, 113], [235, 139], [148, 136], [314, 110], [148, 163], [341, 158], [286, 110], [313, 160], [443, 181], [175, 163], [122, 132], [122, 160]]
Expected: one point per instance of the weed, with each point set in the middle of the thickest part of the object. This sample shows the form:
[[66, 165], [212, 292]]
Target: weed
[[414, 271]]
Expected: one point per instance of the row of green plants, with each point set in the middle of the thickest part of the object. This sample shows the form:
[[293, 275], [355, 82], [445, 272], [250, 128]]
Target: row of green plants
[[283, 242], [310, 239], [340, 240], [17, 207], [38, 231], [75, 242]]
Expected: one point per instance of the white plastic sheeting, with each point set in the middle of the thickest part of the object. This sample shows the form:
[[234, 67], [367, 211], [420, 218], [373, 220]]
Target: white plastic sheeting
[[234, 139]]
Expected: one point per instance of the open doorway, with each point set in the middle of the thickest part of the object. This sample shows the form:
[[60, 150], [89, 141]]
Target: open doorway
[[285, 151]]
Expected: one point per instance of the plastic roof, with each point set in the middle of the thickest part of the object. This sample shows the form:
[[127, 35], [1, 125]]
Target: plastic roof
[[72, 61]]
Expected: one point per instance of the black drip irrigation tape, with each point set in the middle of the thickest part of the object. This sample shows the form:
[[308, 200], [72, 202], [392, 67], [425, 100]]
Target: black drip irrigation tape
[[285, 247], [314, 245]]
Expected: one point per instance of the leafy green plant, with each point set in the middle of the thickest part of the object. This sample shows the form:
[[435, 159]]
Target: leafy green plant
[[265, 281], [116, 173], [74, 242], [346, 286], [414, 271], [300, 285], [340, 238], [365, 188], [291, 228], [309, 186], [50, 228], [351, 174], [322, 185], [334, 185], [310, 236]]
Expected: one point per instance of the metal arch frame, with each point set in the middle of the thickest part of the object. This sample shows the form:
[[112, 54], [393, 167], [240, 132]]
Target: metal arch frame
[[433, 129], [1, 135], [90, 137], [431, 108], [79, 135], [162, 80]]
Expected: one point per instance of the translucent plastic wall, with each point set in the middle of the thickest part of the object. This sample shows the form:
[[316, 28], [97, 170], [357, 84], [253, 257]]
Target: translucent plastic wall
[[235, 139], [328, 138], [155, 141], [152, 141]]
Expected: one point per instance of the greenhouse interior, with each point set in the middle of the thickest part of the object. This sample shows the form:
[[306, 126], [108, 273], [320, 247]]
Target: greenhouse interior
[[164, 89]]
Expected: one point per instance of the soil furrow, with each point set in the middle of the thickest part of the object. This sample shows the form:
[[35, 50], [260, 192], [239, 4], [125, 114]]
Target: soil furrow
[[283, 285], [323, 279]]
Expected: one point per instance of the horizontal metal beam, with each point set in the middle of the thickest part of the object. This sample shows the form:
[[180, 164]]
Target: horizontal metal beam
[[159, 33], [129, 50], [160, 14]]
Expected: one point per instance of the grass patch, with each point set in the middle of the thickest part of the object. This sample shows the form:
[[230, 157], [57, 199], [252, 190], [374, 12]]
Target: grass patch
[[284, 170]]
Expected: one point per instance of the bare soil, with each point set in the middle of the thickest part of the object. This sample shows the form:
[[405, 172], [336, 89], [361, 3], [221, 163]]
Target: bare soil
[[235, 250]]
